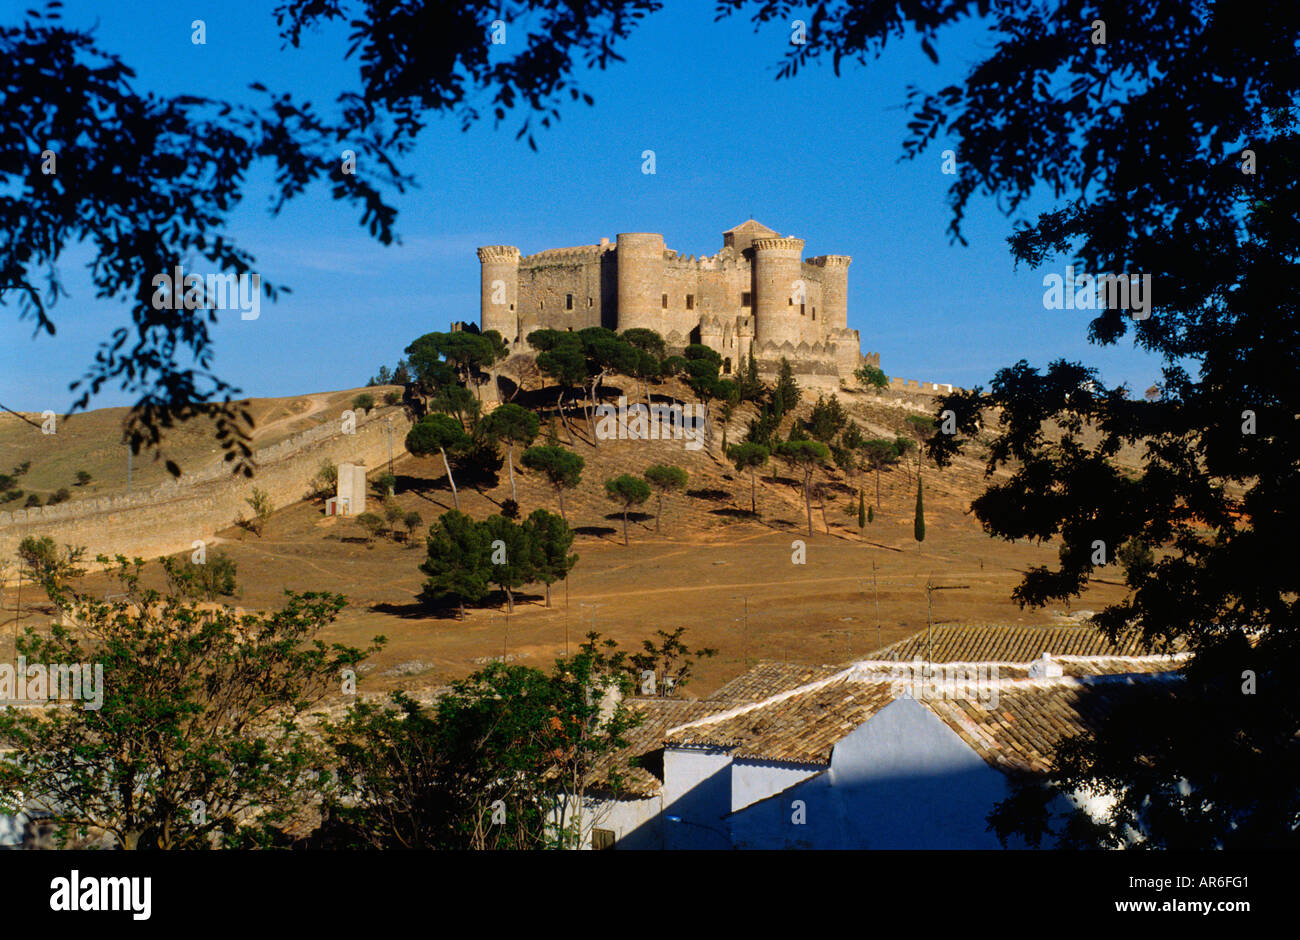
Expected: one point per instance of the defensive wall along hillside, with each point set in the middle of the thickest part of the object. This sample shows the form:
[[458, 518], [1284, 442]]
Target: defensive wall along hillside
[[167, 518]]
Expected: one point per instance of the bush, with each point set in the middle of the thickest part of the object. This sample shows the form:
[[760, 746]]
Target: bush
[[46, 563], [32, 501], [208, 581], [510, 509], [260, 503], [372, 524], [326, 479], [83, 478], [387, 483], [61, 496], [392, 398], [363, 402]]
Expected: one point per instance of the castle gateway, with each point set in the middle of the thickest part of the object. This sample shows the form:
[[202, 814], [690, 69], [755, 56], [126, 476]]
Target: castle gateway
[[756, 297]]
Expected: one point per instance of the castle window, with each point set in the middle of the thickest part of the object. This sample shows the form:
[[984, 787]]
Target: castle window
[[747, 299], [726, 365], [690, 301], [568, 301], [589, 301], [512, 307], [814, 313], [803, 311], [789, 301], [665, 301]]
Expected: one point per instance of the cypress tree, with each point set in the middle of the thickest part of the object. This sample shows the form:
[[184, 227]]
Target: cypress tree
[[862, 510], [918, 524]]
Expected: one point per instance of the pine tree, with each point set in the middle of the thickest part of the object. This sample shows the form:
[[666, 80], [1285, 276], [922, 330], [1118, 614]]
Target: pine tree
[[787, 386]]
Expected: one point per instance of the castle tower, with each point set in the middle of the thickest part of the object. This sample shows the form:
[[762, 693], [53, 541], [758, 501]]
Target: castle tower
[[835, 289], [640, 280], [499, 295], [777, 276]]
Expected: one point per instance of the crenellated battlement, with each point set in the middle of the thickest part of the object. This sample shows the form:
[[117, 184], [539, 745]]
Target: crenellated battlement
[[497, 254], [564, 255], [786, 243], [756, 291]]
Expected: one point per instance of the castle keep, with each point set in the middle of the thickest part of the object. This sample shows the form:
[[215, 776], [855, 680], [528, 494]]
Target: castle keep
[[756, 297]]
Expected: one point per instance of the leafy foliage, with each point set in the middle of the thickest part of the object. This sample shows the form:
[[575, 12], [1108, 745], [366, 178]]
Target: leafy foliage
[[196, 743], [145, 180], [504, 760], [213, 578]]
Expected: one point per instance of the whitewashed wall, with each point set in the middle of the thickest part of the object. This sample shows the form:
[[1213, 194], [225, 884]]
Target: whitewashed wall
[[902, 780], [753, 780]]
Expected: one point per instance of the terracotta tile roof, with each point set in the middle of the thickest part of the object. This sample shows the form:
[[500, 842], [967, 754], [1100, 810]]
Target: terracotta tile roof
[[750, 226], [658, 716], [1030, 718], [1026, 720], [796, 713], [1014, 644], [799, 728], [770, 678]]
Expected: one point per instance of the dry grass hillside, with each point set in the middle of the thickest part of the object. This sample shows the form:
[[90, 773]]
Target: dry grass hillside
[[727, 576], [92, 441]]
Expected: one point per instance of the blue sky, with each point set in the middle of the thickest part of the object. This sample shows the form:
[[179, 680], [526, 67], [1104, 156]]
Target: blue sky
[[816, 157]]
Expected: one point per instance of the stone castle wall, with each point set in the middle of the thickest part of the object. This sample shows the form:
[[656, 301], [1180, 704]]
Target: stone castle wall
[[167, 518], [756, 291], [916, 385]]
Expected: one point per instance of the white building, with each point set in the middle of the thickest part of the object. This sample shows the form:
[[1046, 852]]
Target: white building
[[864, 756]]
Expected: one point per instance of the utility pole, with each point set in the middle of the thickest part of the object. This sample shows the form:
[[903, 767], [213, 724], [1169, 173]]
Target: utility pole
[[877, 595], [744, 636], [930, 588]]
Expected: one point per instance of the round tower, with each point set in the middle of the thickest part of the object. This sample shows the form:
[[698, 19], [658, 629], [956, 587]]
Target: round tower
[[499, 296], [777, 281], [640, 267], [835, 289]]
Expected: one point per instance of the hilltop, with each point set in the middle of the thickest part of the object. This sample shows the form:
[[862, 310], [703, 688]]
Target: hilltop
[[709, 563]]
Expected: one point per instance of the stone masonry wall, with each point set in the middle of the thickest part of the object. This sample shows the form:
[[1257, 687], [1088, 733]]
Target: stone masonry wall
[[167, 518]]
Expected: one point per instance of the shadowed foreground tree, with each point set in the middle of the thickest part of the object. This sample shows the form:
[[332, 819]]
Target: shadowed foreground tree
[[194, 742], [142, 181], [1171, 153]]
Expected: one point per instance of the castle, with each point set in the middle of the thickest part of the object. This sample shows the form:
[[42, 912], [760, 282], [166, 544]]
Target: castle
[[756, 297]]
